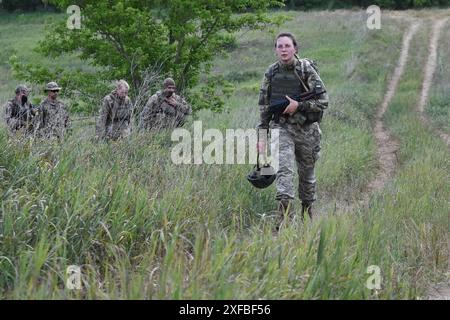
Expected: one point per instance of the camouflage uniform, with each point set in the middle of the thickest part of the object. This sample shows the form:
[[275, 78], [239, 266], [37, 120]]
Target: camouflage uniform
[[19, 116], [159, 113], [299, 140], [115, 117], [52, 119]]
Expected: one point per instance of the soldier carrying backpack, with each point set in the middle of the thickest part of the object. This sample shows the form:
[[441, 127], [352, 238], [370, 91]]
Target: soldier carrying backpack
[[299, 131]]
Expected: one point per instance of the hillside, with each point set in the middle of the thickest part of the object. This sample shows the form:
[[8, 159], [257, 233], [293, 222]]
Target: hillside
[[142, 227]]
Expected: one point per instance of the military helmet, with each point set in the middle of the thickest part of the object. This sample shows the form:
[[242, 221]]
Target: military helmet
[[22, 88], [262, 177], [52, 86]]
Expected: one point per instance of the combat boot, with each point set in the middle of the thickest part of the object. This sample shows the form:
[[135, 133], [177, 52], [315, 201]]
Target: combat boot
[[307, 207], [285, 209]]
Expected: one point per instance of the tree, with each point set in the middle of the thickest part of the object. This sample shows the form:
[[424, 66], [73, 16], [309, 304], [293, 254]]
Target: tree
[[124, 38], [12, 5]]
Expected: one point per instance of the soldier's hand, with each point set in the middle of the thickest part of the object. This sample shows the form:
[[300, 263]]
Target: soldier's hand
[[292, 107], [171, 101]]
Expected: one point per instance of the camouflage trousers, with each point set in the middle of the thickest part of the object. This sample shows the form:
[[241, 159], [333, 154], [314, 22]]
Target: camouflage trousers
[[300, 145], [115, 131]]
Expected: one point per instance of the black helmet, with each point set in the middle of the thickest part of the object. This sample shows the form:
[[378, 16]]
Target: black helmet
[[262, 177]]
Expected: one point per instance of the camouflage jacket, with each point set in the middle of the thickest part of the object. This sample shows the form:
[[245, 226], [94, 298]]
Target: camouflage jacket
[[115, 117], [160, 113], [52, 119], [18, 116], [310, 78]]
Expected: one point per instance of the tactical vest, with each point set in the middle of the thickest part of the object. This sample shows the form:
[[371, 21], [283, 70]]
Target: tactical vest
[[284, 82], [120, 112], [15, 109], [21, 112]]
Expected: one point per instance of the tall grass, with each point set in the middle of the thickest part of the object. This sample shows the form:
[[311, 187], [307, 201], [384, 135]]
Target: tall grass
[[415, 204], [143, 228], [438, 108]]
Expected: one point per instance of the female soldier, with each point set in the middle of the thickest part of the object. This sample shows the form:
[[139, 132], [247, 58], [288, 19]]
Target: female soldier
[[299, 132]]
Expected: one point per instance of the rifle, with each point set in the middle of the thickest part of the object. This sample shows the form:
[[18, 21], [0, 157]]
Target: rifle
[[278, 106]]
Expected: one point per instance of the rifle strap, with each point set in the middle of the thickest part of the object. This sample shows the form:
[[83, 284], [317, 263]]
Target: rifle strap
[[268, 144], [298, 76], [257, 151], [301, 81], [257, 160]]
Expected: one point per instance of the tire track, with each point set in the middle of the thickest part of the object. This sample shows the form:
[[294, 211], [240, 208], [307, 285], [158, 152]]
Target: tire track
[[387, 146], [439, 292], [429, 70]]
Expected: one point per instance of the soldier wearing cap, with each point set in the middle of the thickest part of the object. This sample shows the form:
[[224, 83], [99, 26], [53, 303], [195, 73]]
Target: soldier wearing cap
[[165, 109], [115, 114], [19, 112], [52, 119]]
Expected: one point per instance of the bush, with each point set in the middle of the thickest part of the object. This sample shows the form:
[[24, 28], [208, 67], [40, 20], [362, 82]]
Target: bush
[[384, 4], [25, 5]]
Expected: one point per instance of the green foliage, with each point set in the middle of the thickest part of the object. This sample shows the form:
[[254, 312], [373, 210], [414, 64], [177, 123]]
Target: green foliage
[[437, 108], [143, 228], [210, 95], [122, 39], [12, 5], [291, 4], [384, 4]]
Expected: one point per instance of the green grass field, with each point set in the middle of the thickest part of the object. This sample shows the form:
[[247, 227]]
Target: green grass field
[[438, 109], [19, 35], [143, 228]]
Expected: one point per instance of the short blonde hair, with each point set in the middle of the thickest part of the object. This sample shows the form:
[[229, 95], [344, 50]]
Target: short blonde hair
[[168, 82], [122, 84]]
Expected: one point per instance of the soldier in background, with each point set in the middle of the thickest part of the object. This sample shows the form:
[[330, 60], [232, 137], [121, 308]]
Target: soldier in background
[[52, 119], [19, 112], [115, 114], [165, 109]]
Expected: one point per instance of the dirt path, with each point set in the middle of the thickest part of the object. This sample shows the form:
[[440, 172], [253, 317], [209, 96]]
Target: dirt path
[[386, 145], [441, 292], [436, 291], [429, 70]]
